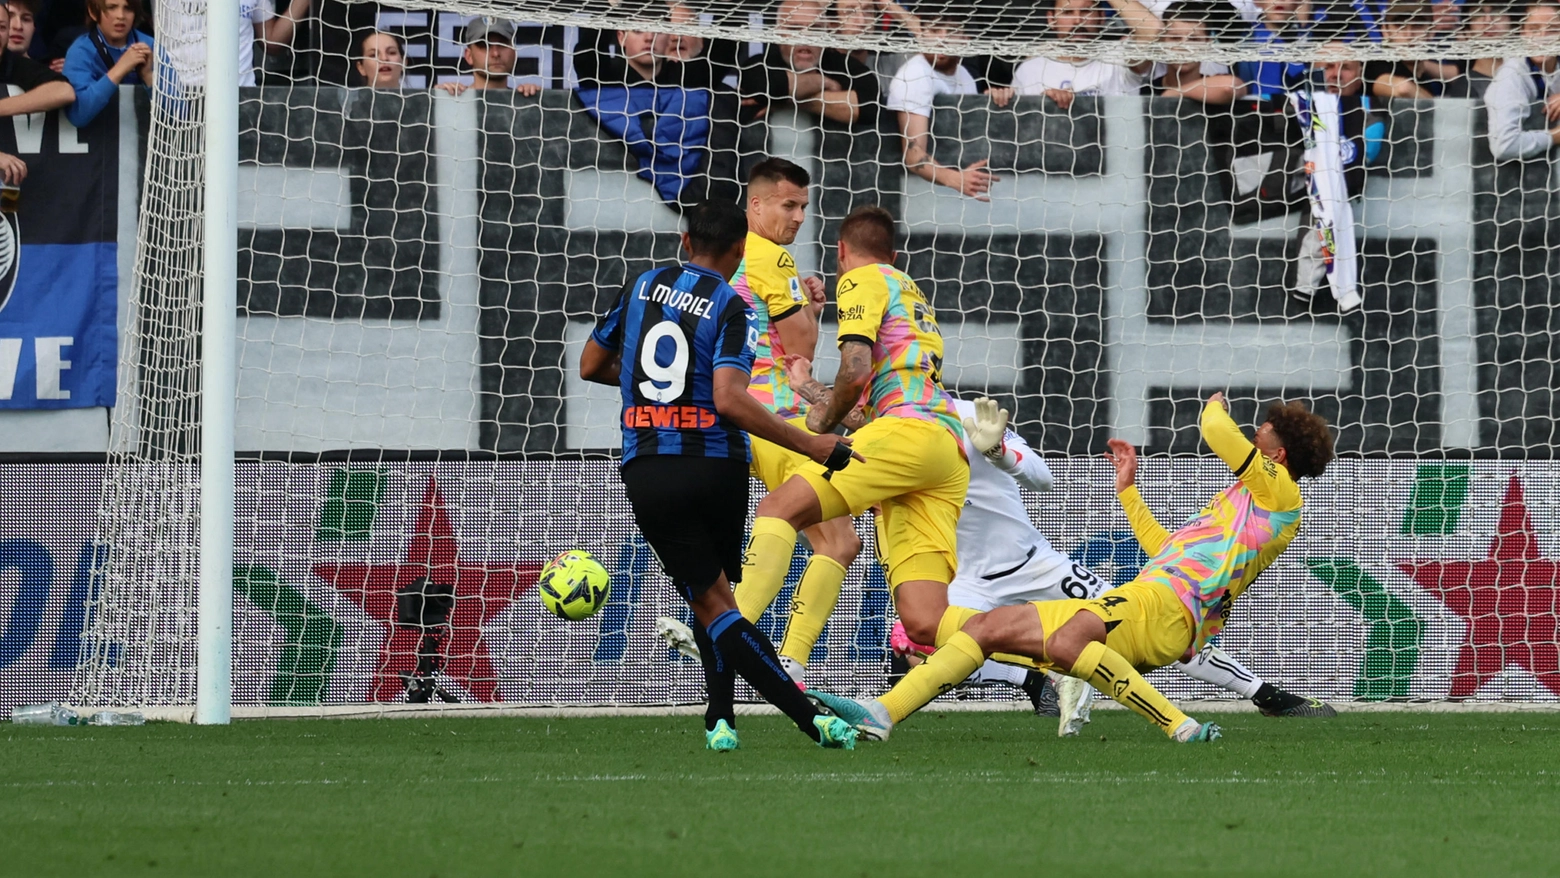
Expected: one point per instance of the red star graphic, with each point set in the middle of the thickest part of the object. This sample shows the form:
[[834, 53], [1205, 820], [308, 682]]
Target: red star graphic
[[1510, 600], [481, 592]]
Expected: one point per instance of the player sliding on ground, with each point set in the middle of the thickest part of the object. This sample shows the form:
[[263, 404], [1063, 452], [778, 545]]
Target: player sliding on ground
[[1169, 612], [785, 313], [1004, 560], [678, 345], [891, 351]]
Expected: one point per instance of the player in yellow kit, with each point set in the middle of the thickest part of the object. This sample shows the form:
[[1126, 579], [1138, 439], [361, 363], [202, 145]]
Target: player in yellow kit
[[1178, 601], [890, 351], [785, 317]]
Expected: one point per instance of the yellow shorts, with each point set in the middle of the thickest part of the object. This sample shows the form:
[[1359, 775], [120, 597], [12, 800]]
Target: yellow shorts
[[773, 464], [1151, 626], [916, 470]]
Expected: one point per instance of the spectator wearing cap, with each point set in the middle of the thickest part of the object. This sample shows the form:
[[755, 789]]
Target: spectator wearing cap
[[1519, 84], [823, 82], [911, 95], [490, 52], [110, 54], [381, 60], [1062, 78], [42, 88]]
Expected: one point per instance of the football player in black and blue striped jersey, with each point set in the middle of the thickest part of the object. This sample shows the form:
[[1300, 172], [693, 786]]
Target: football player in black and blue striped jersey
[[679, 345]]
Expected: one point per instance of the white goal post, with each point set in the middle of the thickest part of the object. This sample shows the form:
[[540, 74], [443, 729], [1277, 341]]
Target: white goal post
[[377, 383], [218, 376]]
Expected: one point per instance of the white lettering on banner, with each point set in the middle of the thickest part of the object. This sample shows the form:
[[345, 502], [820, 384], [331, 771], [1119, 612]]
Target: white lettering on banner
[[10, 355], [70, 141], [29, 130], [47, 353], [29, 127]]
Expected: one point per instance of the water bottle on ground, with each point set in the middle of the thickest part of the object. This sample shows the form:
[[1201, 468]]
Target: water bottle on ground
[[46, 715], [118, 718]]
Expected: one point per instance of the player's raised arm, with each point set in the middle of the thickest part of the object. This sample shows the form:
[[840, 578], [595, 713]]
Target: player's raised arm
[[1224, 437], [1264, 470], [1151, 535], [1144, 25], [988, 432]]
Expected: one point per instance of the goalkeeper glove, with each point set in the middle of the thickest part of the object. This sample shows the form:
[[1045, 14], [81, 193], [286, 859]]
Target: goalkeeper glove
[[987, 428]]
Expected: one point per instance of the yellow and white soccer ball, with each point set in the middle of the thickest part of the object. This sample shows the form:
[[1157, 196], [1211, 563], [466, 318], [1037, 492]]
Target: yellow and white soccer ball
[[574, 585]]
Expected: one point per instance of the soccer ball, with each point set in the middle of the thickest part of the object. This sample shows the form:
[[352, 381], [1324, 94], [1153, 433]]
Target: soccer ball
[[574, 585]]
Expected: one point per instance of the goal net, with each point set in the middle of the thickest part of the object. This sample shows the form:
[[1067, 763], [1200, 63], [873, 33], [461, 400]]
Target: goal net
[[1115, 210]]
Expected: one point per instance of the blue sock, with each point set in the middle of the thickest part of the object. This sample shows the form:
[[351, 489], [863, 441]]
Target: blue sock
[[720, 682], [746, 650]]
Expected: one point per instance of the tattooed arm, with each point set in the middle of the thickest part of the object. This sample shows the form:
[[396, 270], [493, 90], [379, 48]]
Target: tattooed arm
[[855, 372], [811, 389]]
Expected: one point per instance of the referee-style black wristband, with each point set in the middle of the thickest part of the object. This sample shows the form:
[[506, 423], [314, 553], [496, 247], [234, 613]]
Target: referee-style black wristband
[[839, 458]]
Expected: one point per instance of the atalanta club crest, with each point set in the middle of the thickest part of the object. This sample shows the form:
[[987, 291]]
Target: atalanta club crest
[[10, 255]]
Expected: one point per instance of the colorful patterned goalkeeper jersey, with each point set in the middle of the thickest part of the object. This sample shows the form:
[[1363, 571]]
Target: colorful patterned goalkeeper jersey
[[1211, 560], [768, 282], [881, 306]]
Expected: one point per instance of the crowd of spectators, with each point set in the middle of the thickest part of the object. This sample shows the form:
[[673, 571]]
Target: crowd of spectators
[[75, 54], [876, 91]]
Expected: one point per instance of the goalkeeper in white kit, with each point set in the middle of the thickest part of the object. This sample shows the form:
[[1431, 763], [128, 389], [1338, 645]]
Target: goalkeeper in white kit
[[1004, 560]]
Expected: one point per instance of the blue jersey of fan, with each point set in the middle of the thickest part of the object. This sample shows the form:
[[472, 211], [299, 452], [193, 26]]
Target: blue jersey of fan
[[674, 327]]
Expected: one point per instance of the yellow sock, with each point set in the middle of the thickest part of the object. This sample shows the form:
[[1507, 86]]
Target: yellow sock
[[816, 596], [1108, 672], [952, 620], [942, 670], [765, 565]]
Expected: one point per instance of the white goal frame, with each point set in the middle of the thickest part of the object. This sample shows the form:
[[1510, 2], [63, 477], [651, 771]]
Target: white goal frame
[[218, 374]]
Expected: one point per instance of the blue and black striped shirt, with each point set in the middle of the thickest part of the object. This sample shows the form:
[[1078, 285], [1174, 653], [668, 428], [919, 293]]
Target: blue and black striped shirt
[[674, 327]]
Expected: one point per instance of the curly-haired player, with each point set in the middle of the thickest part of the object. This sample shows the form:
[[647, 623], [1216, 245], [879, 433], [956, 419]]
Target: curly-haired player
[[1178, 601]]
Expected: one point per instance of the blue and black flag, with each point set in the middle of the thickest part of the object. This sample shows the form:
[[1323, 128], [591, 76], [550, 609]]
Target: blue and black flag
[[59, 272]]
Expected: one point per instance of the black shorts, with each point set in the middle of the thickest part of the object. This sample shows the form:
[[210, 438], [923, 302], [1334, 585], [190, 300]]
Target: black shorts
[[693, 513]]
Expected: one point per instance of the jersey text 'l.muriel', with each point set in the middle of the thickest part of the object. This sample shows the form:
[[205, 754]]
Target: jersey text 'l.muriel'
[[674, 327], [881, 306], [1211, 560], [768, 282]]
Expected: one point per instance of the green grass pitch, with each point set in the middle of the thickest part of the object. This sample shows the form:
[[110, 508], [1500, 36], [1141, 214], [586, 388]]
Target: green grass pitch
[[951, 794]]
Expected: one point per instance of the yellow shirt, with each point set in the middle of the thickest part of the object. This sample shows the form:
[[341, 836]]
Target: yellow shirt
[[768, 282], [1211, 560], [881, 306]]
